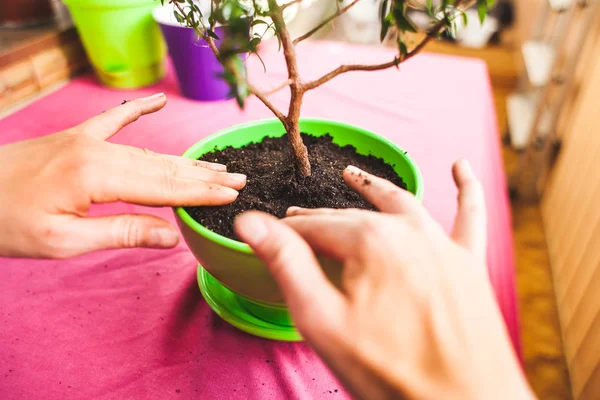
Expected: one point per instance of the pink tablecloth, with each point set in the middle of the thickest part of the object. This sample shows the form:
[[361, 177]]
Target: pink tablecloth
[[132, 324]]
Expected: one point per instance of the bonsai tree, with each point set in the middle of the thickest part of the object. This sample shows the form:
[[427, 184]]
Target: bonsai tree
[[239, 16]]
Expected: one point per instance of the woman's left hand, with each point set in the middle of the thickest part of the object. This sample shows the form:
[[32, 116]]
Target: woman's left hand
[[48, 184]]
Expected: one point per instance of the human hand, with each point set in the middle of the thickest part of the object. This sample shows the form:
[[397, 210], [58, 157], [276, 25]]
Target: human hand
[[47, 186], [416, 317]]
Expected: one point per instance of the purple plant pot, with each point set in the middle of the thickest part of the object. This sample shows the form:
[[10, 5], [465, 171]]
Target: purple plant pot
[[198, 70]]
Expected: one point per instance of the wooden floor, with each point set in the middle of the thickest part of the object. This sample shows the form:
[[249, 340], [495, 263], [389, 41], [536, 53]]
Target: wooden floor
[[542, 346]]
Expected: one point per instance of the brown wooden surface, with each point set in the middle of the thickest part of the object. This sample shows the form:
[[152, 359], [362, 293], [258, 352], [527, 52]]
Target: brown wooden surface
[[571, 209], [30, 64], [543, 352], [17, 44]]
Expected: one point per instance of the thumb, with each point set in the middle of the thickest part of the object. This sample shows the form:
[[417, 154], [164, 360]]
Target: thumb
[[310, 296], [124, 231], [470, 224]]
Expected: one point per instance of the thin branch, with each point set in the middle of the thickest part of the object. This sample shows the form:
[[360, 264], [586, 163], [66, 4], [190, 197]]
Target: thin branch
[[203, 35], [289, 52], [339, 12], [262, 97], [347, 68], [432, 33], [291, 3], [277, 88]]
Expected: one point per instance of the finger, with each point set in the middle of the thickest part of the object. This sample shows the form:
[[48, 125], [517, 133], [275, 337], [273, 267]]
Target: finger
[[383, 194], [122, 231], [313, 300], [156, 181], [298, 211], [154, 191], [470, 224], [196, 163], [332, 235], [182, 160], [151, 163], [153, 166], [105, 125]]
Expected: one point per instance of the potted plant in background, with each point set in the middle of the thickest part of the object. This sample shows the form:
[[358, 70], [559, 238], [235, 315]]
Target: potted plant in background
[[289, 161], [121, 39], [198, 71], [195, 65]]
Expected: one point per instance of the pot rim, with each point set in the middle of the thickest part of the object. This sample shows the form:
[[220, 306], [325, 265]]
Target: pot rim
[[243, 247], [109, 4]]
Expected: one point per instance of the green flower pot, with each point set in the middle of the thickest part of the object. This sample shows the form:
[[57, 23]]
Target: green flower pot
[[122, 40], [234, 282]]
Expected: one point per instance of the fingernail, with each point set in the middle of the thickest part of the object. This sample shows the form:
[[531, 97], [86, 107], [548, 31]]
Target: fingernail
[[251, 228], [353, 170], [155, 96], [292, 210], [236, 181], [163, 237], [228, 193], [241, 178], [466, 166]]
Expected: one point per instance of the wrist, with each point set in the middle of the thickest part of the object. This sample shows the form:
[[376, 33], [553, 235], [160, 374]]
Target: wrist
[[386, 379]]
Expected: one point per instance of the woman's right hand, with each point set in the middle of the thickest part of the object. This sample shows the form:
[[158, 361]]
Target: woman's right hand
[[416, 317]]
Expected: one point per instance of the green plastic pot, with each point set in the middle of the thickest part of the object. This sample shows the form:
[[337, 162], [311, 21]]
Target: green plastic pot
[[234, 282], [122, 40]]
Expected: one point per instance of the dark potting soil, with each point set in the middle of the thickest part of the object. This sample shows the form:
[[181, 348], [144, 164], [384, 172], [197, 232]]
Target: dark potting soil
[[272, 185]]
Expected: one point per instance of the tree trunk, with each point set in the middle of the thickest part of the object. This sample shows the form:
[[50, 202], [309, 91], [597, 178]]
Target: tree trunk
[[293, 130], [296, 90], [299, 149]]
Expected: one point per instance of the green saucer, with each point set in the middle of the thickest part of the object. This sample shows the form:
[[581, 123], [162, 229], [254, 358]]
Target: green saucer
[[230, 306]]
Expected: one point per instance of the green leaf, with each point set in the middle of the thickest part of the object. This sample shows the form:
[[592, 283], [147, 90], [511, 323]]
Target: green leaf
[[242, 93], [385, 24], [212, 34], [403, 23], [190, 18], [430, 8], [258, 22], [262, 62], [465, 18], [253, 44], [196, 9], [402, 48], [178, 17], [241, 87], [234, 68], [453, 29], [482, 8], [444, 6]]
